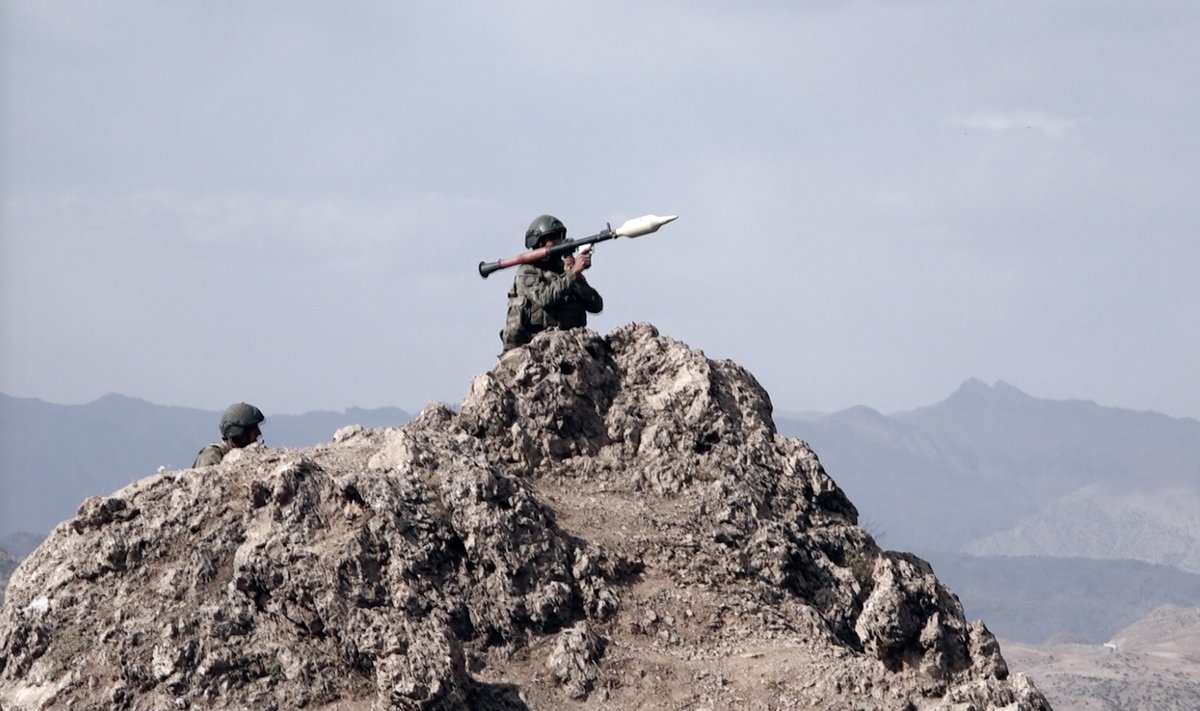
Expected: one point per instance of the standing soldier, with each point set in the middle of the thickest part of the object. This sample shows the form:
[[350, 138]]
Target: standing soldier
[[239, 428], [552, 293]]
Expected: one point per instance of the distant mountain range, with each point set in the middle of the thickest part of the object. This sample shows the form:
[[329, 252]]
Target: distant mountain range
[[52, 456], [1047, 517], [994, 471]]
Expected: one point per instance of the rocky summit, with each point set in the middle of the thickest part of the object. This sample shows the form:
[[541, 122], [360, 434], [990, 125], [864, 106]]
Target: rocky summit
[[605, 523]]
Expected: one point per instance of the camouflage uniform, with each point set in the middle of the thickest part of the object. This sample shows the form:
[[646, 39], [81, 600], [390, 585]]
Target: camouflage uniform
[[546, 295], [212, 454]]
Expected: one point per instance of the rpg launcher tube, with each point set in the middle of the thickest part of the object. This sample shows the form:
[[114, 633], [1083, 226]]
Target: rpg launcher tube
[[533, 255]]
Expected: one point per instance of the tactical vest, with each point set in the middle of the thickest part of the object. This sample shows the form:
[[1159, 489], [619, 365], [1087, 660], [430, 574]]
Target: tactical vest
[[526, 317]]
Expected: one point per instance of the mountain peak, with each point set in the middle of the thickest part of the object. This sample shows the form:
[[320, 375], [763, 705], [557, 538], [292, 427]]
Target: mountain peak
[[1006, 386], [119, 399], [598, 507], [975, 391], [973, 386]]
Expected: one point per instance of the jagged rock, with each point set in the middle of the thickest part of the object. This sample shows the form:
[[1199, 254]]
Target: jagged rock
[[618, 512], [573, 661]]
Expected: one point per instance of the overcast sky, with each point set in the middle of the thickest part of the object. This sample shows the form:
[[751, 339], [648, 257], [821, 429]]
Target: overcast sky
[[285, 202]]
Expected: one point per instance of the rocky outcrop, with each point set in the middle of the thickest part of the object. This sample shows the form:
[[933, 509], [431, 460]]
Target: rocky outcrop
[[605, 523]]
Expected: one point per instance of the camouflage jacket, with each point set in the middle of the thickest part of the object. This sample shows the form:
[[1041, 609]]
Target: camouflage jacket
[[547, 296], [212, 454]]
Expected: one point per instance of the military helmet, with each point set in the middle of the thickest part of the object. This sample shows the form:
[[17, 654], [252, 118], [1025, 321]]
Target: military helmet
[[543, 227], [238, 419]]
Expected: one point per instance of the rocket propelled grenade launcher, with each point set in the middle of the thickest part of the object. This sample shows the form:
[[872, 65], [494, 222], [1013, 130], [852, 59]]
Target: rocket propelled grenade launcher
[[636, 227]]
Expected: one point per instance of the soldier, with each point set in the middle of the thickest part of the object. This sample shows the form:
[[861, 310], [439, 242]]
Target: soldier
[[239, 428], [552, 293]]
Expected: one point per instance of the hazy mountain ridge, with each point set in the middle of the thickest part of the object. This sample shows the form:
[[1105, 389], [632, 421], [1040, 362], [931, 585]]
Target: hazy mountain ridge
[[998, 458], [1068, 440], [76, 451], [1109, 520]]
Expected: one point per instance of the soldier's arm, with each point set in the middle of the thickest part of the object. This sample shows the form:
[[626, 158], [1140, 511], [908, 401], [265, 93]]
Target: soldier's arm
[[545, 289], [589, 297]]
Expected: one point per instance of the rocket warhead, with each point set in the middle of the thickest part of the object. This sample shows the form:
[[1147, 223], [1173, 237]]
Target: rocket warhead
[[643, 225]]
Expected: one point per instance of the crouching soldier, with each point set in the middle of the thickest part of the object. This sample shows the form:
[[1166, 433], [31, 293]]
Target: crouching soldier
[[239, 428], [552, 293]]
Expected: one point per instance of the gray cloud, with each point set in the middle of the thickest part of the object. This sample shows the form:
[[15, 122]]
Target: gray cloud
[[285, 202], [1027, 119]]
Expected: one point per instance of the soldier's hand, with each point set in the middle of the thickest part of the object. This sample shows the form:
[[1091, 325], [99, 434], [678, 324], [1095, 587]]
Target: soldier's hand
[[580, 262]]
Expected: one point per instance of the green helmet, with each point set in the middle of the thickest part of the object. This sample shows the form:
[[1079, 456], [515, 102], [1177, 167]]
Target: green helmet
[[238, 419], [543, 227]]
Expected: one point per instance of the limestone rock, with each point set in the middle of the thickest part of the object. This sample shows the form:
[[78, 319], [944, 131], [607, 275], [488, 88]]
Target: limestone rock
[[610, 522], [573, 661]]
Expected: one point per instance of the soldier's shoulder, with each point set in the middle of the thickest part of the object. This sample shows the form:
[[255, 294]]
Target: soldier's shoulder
[[211, 454]]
